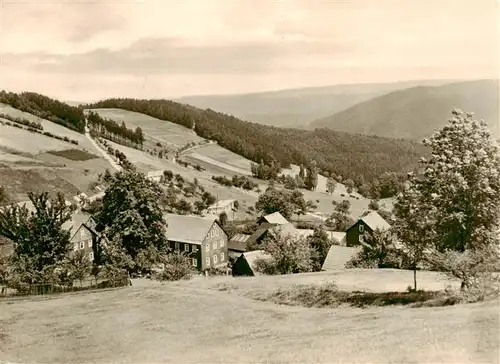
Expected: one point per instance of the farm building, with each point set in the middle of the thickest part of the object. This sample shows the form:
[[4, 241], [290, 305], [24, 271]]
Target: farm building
[[237, 245], [221, 206], [268, 230], [368, 222], [338, 256], [245, 265], [155, 176], [202, 239], [84, 236], [275, 219]]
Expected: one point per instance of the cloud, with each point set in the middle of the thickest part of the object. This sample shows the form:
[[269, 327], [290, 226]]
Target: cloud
[[173, 56]]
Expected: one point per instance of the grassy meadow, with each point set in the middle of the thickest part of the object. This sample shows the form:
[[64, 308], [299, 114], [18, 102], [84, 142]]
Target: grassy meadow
[[197, 321]]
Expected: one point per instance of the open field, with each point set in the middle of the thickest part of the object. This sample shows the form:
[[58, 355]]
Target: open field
[[156, 129], [152, 323], [222, 155], [49, 126]]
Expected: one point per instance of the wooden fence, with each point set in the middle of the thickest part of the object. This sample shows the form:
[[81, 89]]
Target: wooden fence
[[48, 288]]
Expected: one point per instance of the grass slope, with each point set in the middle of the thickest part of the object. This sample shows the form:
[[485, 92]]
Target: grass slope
[[35, 162], [153, 323], [349, 155], [415, 113], [296, 107]]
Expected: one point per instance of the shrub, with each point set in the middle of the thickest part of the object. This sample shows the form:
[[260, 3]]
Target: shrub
[[174, 267]]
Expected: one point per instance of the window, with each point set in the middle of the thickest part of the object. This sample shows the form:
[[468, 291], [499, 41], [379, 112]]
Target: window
[[221, 257], [82, 233], [91, 256], [215, 259], [82, 245], [194, 262], [207, 247], [186, 247], [89, 242], [361, 228], [221, 243], [194, 248], [75, 247], [360, 238], [214, 245], [207, 260], [177, 246]]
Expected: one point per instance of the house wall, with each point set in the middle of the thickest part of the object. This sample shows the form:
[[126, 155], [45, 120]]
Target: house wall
[[192, 251], [214, 252], [84, 240], [354, 232]]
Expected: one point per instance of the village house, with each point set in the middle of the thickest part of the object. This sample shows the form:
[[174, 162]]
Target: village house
[[202, 239], [154, 176], [84, 236], [271, 231], [273, 219], [367, 223], [221, 206], [246, 264]]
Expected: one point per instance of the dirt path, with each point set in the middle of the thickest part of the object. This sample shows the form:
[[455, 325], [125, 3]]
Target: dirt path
[[102, 151]]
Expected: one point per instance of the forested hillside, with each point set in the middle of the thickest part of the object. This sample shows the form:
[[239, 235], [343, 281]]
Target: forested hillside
[[349, 155], [46, 108], [417, 112]]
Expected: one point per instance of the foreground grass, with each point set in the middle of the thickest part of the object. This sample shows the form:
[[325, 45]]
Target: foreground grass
[[194, 321]]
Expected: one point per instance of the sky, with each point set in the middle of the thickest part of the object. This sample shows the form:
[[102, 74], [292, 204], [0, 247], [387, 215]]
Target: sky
[[87, 50]]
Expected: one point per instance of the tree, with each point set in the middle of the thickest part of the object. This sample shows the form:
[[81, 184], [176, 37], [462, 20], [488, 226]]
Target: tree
[[288, 255], [131, 212], [3, 195], [343, 208], [223, 218], [349, 185], [311, 180], [273, 200], [302, 173], [79, 266], [330, 185], [390, 185], [461, 184], [454, 205], [320, 244], [374, 205], [379, 251], [39, 240], [290, 183]]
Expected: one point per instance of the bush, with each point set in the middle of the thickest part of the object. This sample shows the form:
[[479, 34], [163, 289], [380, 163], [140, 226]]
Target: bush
[[174, 267]]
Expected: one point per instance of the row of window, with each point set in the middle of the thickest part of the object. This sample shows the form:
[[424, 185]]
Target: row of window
[[216, 243], [194, 248], [81, 244], [215, 232], [215, 259]]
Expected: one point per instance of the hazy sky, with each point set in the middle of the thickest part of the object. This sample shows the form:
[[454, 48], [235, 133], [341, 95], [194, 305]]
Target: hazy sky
[[84, 50]]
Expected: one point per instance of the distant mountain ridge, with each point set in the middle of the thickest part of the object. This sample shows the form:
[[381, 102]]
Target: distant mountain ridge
[[416, 112], [297, 107]]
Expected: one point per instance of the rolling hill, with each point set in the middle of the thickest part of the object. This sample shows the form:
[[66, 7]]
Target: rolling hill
[[416, 112], [348, 155], [296, 107]]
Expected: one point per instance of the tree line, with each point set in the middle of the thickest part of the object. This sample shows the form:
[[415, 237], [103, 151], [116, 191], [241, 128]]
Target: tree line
[[110, 129], [347, 155], [46, 108]]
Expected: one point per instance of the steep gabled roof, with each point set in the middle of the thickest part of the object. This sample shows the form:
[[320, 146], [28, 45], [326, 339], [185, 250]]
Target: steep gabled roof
[[338, 256], [253, 256], [188, 229], [374, 221], [275, 218], [77, 219]]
